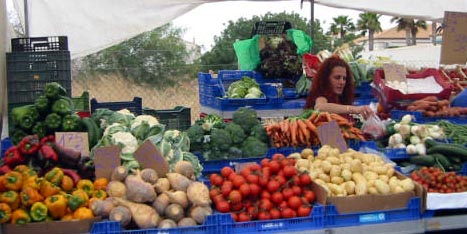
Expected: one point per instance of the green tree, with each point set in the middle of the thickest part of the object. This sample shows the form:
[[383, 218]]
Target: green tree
[[341, 26], [417, 24], [222, 54], [369, 22], [155, 57], [404, 24]]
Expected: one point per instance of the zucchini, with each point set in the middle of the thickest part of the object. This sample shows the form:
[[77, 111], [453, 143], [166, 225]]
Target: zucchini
[[430, 143], [443, 160], [455, 160], [449, 150], [423, 160]]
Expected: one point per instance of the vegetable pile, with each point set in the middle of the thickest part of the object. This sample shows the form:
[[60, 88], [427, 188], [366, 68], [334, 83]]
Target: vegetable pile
[[244, 88], [432, 107], [436, 181], [272, 190], [447, 157], [455, 132]]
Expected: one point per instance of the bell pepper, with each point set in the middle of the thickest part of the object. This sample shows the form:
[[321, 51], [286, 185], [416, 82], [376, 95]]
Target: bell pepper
[[32, 181], [75, 201], [2, 185], [11, 198], [48, 140], [39, 129], [20, 216], [81, 193], [54, 176], [13, 157], [53, 90], [83, 213], [48, 189], [47, 152], [53, 121], [4, 169], [62, 107], [57, 205], [30, 196], [86, 185], [101, 194], [29, 145], [67, 184], [67, 217], [21, 168], [71, 122], [38, 212], [17, 135], [13, 181], [24, 116], [42, 104], [5, 213], [101, 183]]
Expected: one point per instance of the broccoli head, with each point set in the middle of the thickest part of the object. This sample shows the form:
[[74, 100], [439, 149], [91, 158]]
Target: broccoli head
[[259, 132], [220, 139], [252, 148], [236, 132], [235, 152], [196, 135], [211, 121], [246, 118]]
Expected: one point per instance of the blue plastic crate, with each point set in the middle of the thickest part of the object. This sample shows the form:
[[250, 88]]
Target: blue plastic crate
[[135, 106], [215, 166], [411, 212], [294, 103], [364, 101], [314, 221], [396, 153], [419, 118], [208, 85], [5, 145], [290, 93]]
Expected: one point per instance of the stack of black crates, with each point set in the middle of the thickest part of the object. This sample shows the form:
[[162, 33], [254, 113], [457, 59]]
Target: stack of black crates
[[33, 63]]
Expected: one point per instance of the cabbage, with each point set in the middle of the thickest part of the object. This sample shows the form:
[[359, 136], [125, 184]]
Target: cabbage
[[255, 92]]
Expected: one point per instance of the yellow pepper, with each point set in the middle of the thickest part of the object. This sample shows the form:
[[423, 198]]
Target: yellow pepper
[[11, 198], [83, 213], [20, 216], [67, 184], [30, 196], [57, 205], [5, 213], [28, 173], [32, 181], [13, 181], [82, 194], [67, 217], [54, 176], [101, 194], [86, 185], [38, 212], [48, 189], [2, 185], [21, 168]]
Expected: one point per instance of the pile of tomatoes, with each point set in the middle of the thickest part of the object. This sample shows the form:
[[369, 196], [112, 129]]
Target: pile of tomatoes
[[273, 189], [436, 181]]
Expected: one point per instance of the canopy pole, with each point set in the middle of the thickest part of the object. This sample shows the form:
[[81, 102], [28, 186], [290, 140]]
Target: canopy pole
[[312, 19], [26, 18]]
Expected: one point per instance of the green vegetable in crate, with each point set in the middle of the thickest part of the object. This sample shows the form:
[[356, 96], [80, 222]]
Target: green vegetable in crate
[[303, 85], [17, 135], [42, 104], [236, 132], [220, 138], [71, 122], [259, 132], [246, 118], [24, 116], [244, 88], [196, 135], [54, 90], [235, 152], [62, 106], [94, 132], [39, 129], [210, 121], [53, 121], [253, 147]]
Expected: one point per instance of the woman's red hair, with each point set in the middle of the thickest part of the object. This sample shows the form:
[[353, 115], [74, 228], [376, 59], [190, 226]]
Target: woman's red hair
[[321, 85]]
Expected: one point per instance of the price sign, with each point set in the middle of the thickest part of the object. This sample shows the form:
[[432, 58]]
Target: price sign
[[393, 72], [148, 156], [74, 140], [105, 160], [454, 46], [330, 134]]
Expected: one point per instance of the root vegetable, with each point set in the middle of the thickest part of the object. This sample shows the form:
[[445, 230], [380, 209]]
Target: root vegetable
[[143, 215], [149, 175], [167, 223], [186, 222], [119, 173], [199, 213], [162, 185], [138, 190], [198, 194], [116, 189], [174, 212], [102, 207], [121, 214], [161, 202], [185, 168], [178, 181], [178, 197]]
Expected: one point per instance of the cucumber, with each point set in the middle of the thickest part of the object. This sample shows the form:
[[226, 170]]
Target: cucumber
[[430, 143], [423, 160], [454, 160], [92, 129], [449, 150], [443, 160]]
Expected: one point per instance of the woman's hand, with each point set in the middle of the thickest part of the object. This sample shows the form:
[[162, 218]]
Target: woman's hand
[[365, 111]]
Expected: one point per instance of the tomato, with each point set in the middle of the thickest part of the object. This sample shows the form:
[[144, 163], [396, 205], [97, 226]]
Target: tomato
[[232, 176], [218, 199], [274, 167], [305, 179], [303, 211], [278, 156], [265, 204], [226, 188], [253, 211], [283, 205], [280, 173], [264, 215], [309, 196], [265, 162], [238, 181], [277, 197], [285, 163], [255, 167], [296, 190], [280, 179], [236, 206], [289, 171], [254, 190], [287, 192], [245, 190], [234, 216], [265, 194], [266, 172], [226, 171], [252, 179], [223, 206], [275, 213], [243, 217], [235, 196], [216, 179], [287, 213], [294, 202], [214, 192], [295, 180], [245, 172], [263, 181], [273, 186]]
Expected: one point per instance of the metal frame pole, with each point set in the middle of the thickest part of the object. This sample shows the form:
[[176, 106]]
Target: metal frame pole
[[26, 18]]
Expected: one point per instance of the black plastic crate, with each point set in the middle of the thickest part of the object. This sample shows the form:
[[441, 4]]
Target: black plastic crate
[[135, 106], [81, 103], [34, 44], [178, 118], [29, 72], [270, 27]]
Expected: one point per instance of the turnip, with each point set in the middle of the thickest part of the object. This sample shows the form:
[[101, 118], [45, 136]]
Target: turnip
[[143, 215], [185, 168], [167, 223], [138, 190], [119, 173], [102, 207], [178, 181], [199, 213], [149, 175], [162, 185], [178, 197], [161, 202], [174, 212], [116, 189], [121, 214], [198, 194], [186, 222]]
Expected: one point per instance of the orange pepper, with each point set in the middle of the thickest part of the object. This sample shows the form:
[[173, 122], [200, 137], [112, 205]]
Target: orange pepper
[[11, 198], [31, 181], [5, 213], [67, 217], [20, 216], [81, 193], [2, 185], [83, 213], [48, 189], [30, 195], [101, 183], [57, 205], [67, 184], [13, 181]]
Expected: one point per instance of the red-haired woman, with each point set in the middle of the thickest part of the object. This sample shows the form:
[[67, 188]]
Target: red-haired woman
[[332, 89]]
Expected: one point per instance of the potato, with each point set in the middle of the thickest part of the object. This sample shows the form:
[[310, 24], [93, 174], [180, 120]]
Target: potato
[[335, 171], [381, 170], [407, 184], [398, 189], [372, 190], [334, 160], [307, 153], [323, 152], [382, 187], [295, 156], [345, 166], [313, 174], [356, 166], [336, 189], [390, 172], [326, 166], [358, 178], [319, 181], [317, 163], [370, 175], [346, 174], [334, 152], [337, 180], [324, 177], [302, 163], [349, 187], [368, 158], [361, 189], [384, 178]]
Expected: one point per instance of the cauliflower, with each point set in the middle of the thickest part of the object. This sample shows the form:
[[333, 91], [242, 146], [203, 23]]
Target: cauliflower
[[125, 112], [126, 141], [113, 128], [151, 120]]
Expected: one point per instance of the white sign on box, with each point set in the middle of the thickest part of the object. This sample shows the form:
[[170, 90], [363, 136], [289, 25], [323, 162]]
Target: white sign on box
[[438, 201]]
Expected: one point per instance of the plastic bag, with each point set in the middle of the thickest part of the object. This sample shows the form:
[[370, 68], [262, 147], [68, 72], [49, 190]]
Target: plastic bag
[[247, 52], [373, 127], [301, 40]]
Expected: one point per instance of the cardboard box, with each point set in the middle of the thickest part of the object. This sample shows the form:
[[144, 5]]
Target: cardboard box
[[52, 227], [353, 204]]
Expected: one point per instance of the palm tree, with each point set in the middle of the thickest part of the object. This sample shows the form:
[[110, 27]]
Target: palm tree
[[414, 29], [341, 25], [404, 24], [369, 22]]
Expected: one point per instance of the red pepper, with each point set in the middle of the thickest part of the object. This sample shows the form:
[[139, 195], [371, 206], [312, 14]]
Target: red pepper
[[29, 144], [48, 152], [4, 169], [13, 157], [48, 140]]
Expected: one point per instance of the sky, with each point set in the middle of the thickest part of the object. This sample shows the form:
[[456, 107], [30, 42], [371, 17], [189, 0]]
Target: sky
[[210, 19]]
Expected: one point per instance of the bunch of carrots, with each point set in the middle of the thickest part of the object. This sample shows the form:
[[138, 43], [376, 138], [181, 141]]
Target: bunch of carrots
[[302, 131], [432, 107]]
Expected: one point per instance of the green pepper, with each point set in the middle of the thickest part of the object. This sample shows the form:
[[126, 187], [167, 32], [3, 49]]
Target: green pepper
[[39, 129], [24, 116], [42, 104], [53, 90], [54, 176], [17, 135], [71, 122], [38, 211], [20, 216], [75, 201], [62, 107], [53, 121]]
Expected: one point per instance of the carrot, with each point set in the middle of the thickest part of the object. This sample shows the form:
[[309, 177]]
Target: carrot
[[345, 134], [293, 132], [303, 128], [311, 127], [313, 116], [328, 117]]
